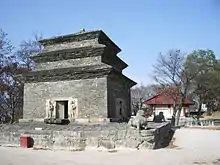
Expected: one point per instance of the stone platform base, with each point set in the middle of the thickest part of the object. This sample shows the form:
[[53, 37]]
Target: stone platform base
[[81, 136], [30, 120], [92, 120], [56, 121], [78, 120]]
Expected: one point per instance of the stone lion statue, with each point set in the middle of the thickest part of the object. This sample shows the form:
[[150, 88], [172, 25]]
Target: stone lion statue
[[139, 121]]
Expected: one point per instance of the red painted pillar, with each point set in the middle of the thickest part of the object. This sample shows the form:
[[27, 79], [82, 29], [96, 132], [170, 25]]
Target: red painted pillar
[[25, 141]]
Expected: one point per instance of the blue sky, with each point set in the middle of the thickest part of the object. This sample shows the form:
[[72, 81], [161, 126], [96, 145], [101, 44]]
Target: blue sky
[[141, 28]]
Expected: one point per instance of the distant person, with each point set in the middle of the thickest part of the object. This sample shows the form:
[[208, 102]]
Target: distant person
[[159, 118], [173, 120]]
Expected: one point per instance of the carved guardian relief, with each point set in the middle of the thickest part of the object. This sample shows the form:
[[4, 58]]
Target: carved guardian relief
[[56, 109], [50, 109], [73, 108]]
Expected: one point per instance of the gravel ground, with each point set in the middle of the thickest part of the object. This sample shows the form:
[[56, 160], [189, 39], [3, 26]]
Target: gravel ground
[[194, 146]]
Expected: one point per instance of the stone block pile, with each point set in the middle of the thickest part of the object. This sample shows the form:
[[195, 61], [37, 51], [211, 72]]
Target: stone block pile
[[81, 137]]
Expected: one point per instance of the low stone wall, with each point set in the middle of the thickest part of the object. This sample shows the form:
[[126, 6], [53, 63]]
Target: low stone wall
[[110, 136]]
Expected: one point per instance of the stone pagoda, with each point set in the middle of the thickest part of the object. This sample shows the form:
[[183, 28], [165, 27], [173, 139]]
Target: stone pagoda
[[77, 78]]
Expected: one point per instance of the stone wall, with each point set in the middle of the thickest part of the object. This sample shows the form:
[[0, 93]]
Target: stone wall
[[117, 89], [90, 93], [111, 136], [76, 66]]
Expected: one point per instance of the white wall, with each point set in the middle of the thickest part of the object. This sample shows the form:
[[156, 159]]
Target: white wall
[[168, 112]]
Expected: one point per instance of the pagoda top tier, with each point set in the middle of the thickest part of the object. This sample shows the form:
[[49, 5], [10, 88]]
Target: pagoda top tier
[[80, 39]]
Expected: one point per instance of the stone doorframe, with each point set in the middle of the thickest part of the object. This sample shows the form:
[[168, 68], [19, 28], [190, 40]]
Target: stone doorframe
[[72, 107]]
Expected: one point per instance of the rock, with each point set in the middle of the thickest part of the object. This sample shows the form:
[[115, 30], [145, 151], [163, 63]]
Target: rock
[[106, 143], [131, 143], [147, 132], [145, 145]]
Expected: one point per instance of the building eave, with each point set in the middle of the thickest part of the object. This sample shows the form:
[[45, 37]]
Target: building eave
[[72, 73], [101, 37], [67, 54], [168, 101]]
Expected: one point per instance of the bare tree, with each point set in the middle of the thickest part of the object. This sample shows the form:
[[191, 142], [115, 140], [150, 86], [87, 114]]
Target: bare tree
[[171, 73], [27, 48], [139, 94], [12, 63]]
